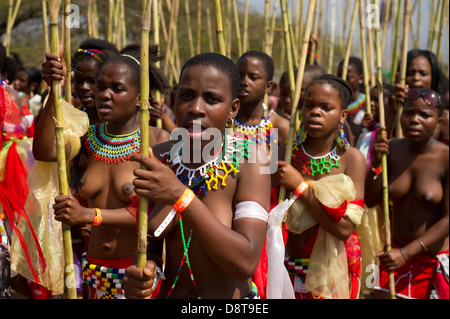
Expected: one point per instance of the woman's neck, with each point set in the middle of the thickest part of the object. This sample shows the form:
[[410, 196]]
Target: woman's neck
[[251, 114], [319, 146]]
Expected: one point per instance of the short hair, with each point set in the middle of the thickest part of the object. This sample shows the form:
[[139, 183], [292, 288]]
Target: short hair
[[435, 66], [157, 78], [33, 74], [267, 61], [356, 63], [337, 83], [221, 63], [106, 50], [2, 57]]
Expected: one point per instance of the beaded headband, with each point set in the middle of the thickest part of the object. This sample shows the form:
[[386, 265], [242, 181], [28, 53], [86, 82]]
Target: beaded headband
[[93, 53], [131, 57]]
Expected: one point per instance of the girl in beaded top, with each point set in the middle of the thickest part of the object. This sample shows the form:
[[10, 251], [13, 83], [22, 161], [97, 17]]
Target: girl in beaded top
[[107, 181], [218, 237], [418, 175], [328, 178]]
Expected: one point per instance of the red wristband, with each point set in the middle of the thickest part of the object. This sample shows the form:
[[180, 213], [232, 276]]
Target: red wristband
[[301, 188], [184, 201]]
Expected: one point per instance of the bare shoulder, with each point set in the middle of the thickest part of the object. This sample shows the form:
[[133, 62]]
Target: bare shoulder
[[280, 123], [159, 150], [158, 135]]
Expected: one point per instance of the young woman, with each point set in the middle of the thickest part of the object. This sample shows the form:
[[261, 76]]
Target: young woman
[[214, 243], [327, 176], [107, 181], [418, 186], [422, 71]]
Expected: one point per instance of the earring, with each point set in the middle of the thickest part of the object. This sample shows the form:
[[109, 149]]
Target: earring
[[302, 134], [229, 129], [340, 138]]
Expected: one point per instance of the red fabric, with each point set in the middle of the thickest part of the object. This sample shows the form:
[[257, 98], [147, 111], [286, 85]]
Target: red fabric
[[11, 207], [414, 279], [440, 282], [336, 213], [16, 177]]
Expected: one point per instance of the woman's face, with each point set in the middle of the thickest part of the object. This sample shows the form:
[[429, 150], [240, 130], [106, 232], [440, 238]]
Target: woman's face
[[418, 73], [85, 77], [204, 96], [254, 83], [321, 112], [419, 120], [21, 82], [117, 98]]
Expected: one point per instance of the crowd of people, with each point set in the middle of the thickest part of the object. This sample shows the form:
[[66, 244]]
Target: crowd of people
[[211, 218]]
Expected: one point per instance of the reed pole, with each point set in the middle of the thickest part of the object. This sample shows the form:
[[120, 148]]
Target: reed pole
[[385, 183], [155, 21], [189, 27], [61, 155], [110, 20], [395, 54], [210, 28], [348, 47], [362, 39], [386, 15], [266, 25], [199, 26], [219, 28], [332, 37], [245, 35], [441, 29], [237, 28], [298, 87], [403, 62], [144, 127], [437, 26], [312, 55], [67, 58]]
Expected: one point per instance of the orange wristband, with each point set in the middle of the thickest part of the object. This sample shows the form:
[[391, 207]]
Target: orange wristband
[[98, 218], [301, 188], [376, 170], [184, 201]]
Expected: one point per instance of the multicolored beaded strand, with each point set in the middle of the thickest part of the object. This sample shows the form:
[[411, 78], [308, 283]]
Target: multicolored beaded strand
[[109, 148], [258, 133]]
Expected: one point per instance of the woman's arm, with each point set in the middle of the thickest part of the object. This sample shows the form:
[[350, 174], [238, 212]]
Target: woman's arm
[[69, 211], [241, 255]]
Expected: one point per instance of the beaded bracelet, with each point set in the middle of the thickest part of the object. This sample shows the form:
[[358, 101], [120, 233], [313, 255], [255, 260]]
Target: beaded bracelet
[[377, 170], [301, 188], [184, 201], [98, 217]]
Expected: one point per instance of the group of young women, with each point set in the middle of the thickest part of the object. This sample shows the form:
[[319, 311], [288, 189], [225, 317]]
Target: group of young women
[[208, 218]]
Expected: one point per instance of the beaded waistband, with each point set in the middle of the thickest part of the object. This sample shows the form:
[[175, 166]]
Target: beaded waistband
[[103, 278], [296, 266]]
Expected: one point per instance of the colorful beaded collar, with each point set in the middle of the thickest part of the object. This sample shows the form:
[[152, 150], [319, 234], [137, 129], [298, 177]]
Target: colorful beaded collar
[[261, 133], [109, 148], [207, 176], [312, 165]]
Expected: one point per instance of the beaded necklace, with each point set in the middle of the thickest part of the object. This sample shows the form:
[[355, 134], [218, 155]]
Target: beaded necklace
[[109, 148], [259, 133], [315, 164], [357, 105], [201, 179]]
